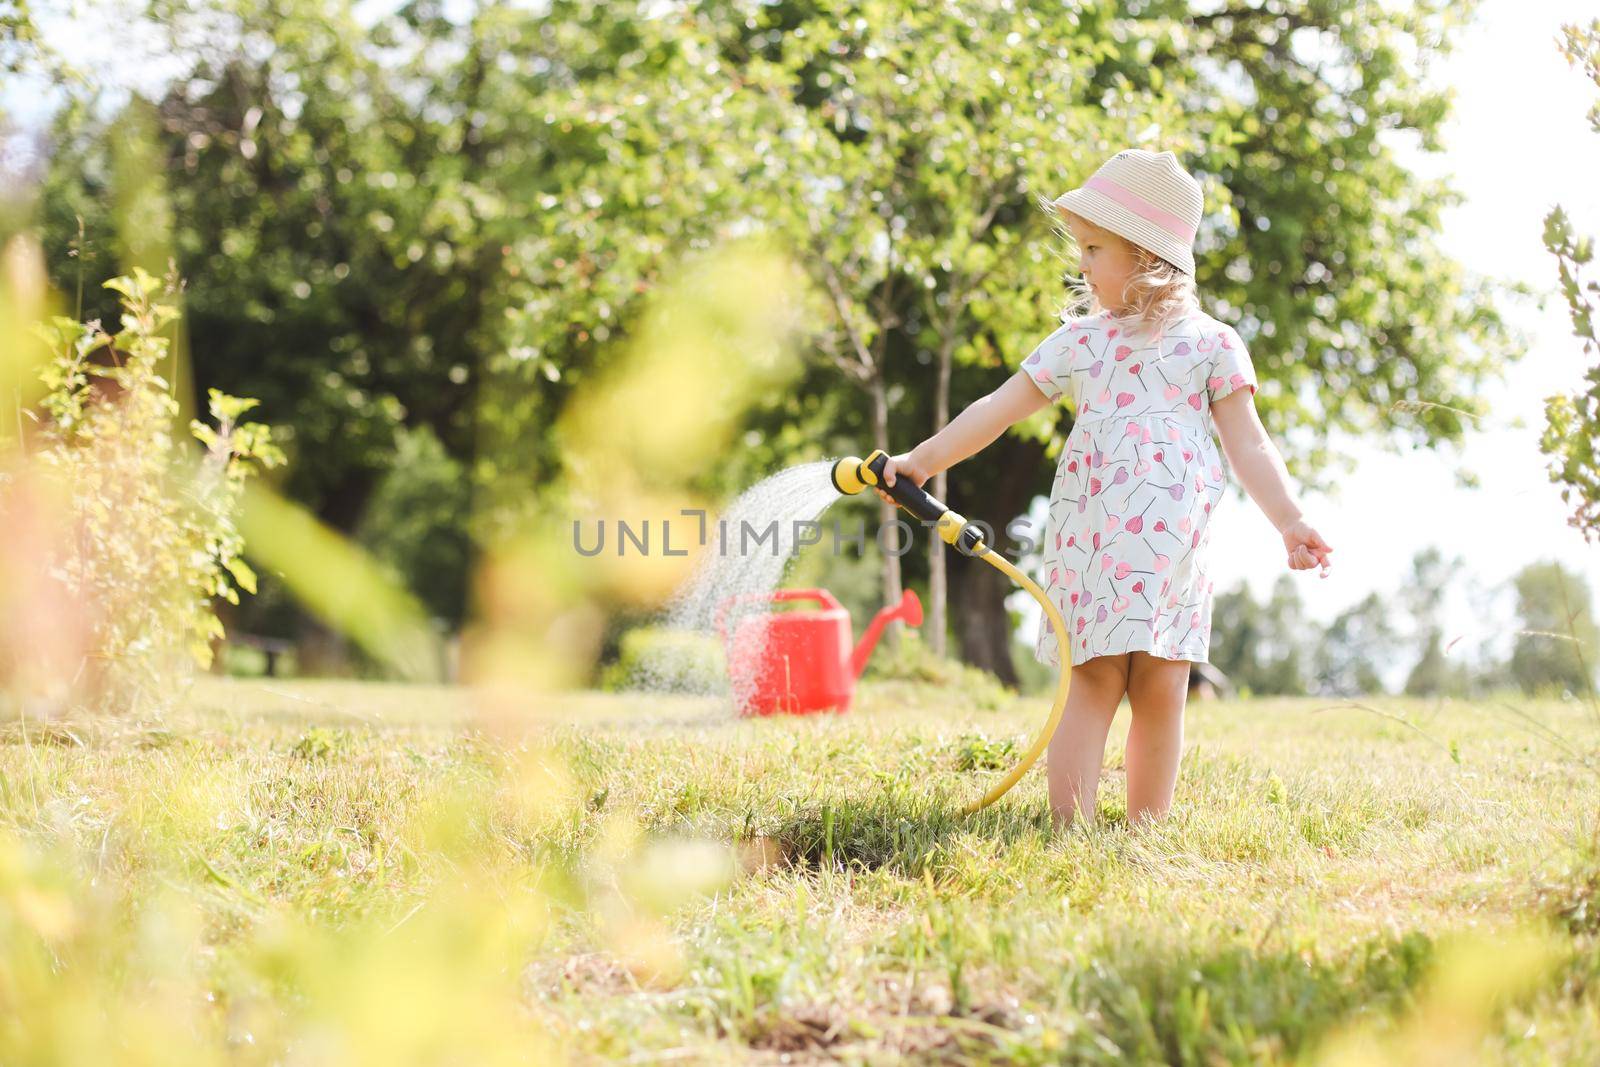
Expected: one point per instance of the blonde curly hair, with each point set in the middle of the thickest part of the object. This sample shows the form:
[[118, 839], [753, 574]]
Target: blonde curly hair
[[1159, 292]]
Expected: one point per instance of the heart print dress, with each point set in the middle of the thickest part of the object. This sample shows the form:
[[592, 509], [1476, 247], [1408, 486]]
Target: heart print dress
[[1125, 549]]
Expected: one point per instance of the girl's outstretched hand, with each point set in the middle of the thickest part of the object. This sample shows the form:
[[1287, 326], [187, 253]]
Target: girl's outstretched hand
[[902, 466], [1306, 547]]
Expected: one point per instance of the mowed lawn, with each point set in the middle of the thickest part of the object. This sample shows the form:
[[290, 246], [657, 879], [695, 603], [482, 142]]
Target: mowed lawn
[[344, 872]]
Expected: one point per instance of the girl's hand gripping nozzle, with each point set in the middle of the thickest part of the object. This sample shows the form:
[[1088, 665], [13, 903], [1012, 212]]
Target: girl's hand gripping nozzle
[[851, 475]]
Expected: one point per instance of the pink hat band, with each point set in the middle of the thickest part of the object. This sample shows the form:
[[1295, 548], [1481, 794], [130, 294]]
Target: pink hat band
[[1141, 207], [1146, 198]]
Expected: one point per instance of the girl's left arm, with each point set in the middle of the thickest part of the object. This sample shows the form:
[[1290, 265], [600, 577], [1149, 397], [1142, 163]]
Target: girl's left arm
[[1260, 468]]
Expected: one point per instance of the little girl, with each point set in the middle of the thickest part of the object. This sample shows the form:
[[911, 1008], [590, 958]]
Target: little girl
[[1149, 377]]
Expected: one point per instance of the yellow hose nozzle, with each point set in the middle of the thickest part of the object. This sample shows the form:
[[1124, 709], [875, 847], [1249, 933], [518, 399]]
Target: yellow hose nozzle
[[851, 474]]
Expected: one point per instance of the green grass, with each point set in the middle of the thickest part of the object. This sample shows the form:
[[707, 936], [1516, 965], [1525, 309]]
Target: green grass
[[332, 872]]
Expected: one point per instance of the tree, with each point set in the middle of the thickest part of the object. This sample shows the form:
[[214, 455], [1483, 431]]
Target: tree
[[1355, 648], [927, 122], [448, 222], [19, 37], [1556, 645], [1324, 254], [373, 268], [1423, 596], [1260, 647], [320, 217], [1572, 421]]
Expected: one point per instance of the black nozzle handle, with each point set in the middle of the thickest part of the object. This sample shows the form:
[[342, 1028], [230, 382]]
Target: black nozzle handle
[[909, 496]]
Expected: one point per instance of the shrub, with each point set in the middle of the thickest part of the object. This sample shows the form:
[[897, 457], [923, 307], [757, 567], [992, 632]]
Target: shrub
[[146, 535], [916, 663], [666, 660], [974, 752]]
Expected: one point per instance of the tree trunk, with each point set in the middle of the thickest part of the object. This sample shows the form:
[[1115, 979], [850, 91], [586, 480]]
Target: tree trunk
[[938, 593], [887, 513], [995, 486]]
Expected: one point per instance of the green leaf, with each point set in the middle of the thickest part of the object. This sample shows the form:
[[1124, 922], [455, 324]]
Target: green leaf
[[227, 408], [242, 573]]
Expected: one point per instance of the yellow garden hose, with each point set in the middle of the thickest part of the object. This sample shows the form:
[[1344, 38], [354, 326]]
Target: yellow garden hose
[[1059, 625], [851, 475]]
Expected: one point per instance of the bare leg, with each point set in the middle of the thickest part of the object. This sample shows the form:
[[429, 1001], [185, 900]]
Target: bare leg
[[1157, 690], [1078, 747]]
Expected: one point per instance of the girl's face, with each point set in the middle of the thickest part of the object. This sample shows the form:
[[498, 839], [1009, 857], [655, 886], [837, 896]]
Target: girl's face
[[1106, 260]]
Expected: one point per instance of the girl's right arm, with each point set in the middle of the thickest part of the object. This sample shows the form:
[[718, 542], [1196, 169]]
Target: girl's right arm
[[971, 431], [1260, 469]]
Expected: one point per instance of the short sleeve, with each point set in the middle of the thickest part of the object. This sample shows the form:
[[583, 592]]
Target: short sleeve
[[1050, 362], [1231, 368]]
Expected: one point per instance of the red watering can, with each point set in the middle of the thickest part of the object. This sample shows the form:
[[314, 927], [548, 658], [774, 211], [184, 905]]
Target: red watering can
[[800, 661]]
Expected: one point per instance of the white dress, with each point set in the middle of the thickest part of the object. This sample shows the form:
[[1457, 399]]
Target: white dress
[[1125, 551]]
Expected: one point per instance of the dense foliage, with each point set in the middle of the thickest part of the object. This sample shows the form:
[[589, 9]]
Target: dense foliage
[[446, 221]]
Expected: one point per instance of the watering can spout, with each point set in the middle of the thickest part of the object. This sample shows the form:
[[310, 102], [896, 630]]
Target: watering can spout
[[909, 611]]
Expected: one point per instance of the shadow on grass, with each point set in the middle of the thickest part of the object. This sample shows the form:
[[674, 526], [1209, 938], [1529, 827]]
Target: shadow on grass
[[1123, 996], [903, 830]]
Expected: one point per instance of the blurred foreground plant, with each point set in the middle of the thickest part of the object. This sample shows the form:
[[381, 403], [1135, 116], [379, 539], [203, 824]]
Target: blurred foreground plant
[[129, 538], [709, 345], [1475, 980], [125, 971]]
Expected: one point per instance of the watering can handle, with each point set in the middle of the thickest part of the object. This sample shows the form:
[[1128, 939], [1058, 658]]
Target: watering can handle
[[826, 598]]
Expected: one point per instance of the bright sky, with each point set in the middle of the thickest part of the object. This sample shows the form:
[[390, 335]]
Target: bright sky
[[1518, 144]]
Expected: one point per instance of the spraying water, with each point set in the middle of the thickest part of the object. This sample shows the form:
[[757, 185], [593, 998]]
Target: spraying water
[[730, 584], [747, 550]]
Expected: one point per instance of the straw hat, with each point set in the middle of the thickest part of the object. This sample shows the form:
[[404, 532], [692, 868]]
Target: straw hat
[[1146, 197]]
